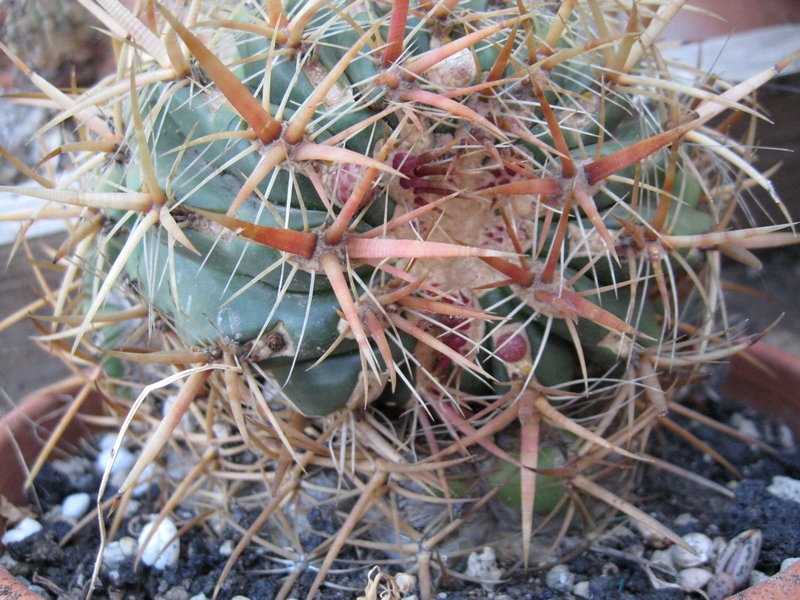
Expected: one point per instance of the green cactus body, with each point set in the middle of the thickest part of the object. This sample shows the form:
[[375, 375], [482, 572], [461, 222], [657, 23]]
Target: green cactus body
[[549, 489]]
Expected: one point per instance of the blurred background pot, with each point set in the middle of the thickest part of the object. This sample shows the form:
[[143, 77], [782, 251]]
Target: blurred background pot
[[25, 430]]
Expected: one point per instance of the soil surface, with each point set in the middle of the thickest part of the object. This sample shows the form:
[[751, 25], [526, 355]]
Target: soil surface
[[613, 566]]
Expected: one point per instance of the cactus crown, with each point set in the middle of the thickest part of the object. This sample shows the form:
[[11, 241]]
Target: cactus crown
[[414, 243]]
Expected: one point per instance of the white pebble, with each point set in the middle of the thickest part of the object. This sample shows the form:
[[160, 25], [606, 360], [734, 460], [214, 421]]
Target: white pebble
[[143, 483], [25, 528], [132, 509], [122, 464], [226, 548], [117, 551], [789, 562], [113, 555], [107, 441], [787, 438], [129, 545], [702, 546], [160, 552], [74, 466], [581, 589], [756, 577], [785, 487], [745, 426], [75, 506], [560, 578], [694, 577], [37, 589], [662, 557]]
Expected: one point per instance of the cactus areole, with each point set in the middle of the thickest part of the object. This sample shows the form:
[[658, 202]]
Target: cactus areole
[[500, 219]]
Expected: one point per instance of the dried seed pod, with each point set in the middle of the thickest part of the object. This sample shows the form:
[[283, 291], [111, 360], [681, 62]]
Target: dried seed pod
[[740, 556]]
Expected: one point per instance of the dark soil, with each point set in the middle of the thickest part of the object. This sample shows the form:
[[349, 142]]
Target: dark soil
[[613, 567]]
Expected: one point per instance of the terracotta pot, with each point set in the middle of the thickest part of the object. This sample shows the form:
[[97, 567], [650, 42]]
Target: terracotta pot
[[782, 586], [24, 431], [723, 17], [11, 589], [768, 379]]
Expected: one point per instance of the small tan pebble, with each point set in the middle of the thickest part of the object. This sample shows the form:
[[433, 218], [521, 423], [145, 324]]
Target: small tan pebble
[[405, 582], [636, 550], [685, 519], [581, 589], [618, 531], [694, 577], [720, 586], [756, 577], [651, 536], [702, 546], [174, 593]]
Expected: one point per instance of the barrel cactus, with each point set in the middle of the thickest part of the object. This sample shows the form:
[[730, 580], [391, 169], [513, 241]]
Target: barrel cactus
[[447, 259]]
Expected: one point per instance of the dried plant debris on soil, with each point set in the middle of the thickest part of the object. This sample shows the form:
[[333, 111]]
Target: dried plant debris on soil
[[613, 564]]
